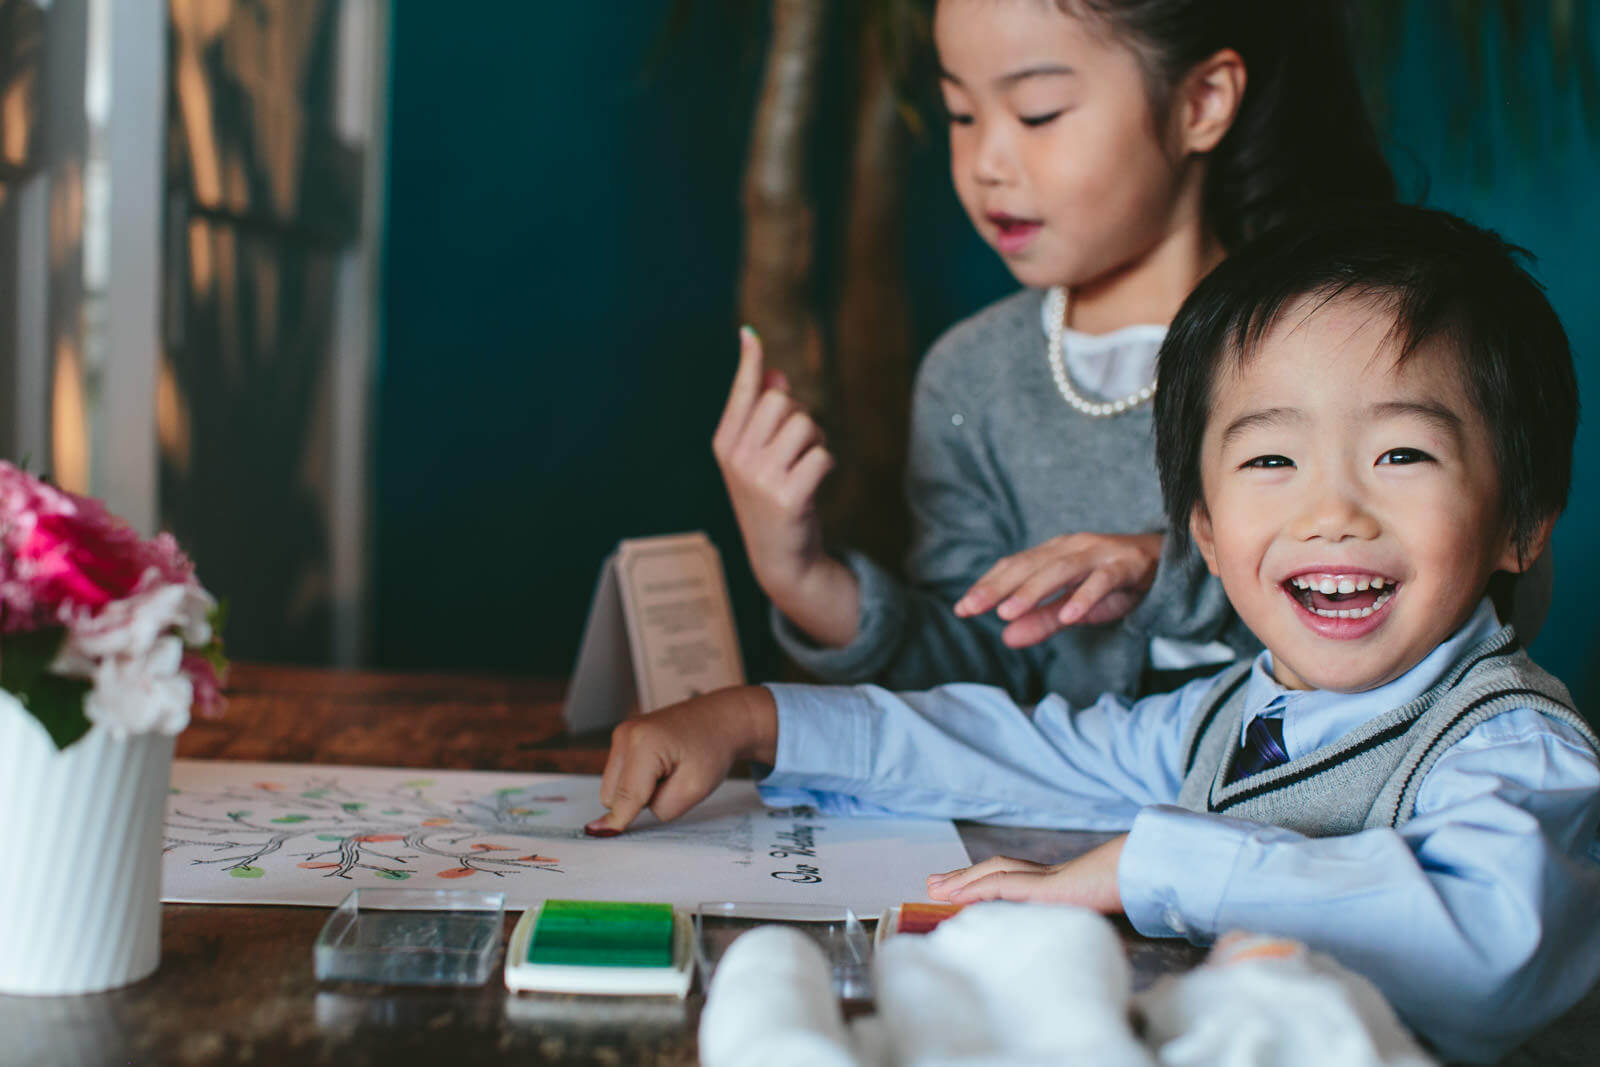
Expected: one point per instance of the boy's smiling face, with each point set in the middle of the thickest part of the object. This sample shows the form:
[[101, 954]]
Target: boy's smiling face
[[1351, 505]]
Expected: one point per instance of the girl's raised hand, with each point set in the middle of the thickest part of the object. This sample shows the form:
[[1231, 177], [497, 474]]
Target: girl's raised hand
[[1071, 579], [1089, 881], [773, 459]]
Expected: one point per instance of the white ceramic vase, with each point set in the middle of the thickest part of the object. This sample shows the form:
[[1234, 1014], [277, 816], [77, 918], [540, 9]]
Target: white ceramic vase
[[80, 856]]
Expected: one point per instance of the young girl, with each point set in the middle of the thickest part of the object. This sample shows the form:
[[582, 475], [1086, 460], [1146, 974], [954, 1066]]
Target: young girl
[[1111, 151]]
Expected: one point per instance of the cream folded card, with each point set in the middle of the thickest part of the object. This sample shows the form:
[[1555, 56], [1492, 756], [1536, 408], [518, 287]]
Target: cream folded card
[[660, 630]]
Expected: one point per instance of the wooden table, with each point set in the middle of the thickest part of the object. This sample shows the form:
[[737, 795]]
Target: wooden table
[[235, 984]]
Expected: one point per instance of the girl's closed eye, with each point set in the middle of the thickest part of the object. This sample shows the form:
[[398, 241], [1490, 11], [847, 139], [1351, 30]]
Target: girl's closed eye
[[1404, 457], [1268, 462], [1043, 119]]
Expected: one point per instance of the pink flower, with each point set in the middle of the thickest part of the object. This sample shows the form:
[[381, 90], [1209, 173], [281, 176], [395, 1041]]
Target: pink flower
[[61, 553], [207, 686], [137, 622], [77, 561]]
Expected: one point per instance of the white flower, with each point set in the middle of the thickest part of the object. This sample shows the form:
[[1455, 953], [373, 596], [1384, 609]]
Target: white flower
[[137, 694], [131, 627]]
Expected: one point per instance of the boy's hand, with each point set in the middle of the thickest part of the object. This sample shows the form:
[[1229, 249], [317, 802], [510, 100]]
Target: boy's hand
[[671, 759], [773, 459], [1104, 576], [1089, 881]]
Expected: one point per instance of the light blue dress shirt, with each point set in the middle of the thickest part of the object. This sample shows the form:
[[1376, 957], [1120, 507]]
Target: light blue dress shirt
[[1479, 919]]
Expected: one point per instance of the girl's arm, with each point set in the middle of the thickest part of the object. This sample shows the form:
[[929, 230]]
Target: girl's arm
[[906, 634], [773, 460]]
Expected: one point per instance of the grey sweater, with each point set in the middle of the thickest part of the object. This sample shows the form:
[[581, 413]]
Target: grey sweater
[[998, 463], [1369, 777]]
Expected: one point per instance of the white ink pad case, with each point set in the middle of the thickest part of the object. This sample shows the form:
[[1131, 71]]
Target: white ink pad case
[[439, 937], [835, 928]]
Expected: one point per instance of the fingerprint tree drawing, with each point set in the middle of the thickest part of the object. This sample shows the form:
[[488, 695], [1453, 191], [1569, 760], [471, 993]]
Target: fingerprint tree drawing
[[393, 834]]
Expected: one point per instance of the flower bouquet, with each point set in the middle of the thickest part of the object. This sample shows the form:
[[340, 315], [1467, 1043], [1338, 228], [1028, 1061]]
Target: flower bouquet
[[107, 641]]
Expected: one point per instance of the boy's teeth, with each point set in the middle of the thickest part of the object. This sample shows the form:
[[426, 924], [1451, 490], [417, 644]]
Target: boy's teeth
[[1351, 613], [1343, 586]]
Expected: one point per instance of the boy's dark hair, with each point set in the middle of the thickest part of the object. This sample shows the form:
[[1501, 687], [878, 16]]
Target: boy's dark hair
[[1302, 133], [1440, 277]]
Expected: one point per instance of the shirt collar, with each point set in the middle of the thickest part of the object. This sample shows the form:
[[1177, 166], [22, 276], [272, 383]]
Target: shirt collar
[[1109, 364], [1314, 717]]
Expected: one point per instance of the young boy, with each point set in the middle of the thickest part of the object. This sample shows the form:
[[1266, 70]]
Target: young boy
[[1361, 423]]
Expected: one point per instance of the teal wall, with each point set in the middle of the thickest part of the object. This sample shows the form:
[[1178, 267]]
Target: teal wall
[[1526, 167], [559, 304]]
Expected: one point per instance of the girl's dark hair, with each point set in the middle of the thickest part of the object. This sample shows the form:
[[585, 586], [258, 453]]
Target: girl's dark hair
[[1302, 133], [1440, 277]]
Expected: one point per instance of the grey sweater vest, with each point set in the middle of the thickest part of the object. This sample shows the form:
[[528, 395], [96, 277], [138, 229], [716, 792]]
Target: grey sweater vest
[[1370, 776]]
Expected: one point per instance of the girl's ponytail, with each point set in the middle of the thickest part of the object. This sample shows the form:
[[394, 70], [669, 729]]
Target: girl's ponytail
[[1302, 134]]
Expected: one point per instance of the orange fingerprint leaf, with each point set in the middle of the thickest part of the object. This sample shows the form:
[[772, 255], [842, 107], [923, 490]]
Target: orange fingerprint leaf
[[436, 822], [481, 847], [271, 787], [318, 866], [537, 859], [456, 872], [381, 837]]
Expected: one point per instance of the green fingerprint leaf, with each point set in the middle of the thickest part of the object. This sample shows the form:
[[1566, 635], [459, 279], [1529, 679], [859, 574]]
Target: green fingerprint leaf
[[246, 872], [292, 818], [330, 837], [394, 876], [354, 805]]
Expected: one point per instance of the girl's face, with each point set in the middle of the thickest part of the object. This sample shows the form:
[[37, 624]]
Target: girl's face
[[1053, 146]]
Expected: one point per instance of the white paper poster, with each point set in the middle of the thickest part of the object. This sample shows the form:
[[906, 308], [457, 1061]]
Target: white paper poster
[[277, 833]]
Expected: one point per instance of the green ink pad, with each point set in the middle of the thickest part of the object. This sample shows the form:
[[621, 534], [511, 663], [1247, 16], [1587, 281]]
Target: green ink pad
[[594, 946], [603, 933]]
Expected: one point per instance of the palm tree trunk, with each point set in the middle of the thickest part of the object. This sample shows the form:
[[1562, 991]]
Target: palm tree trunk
[[775, 291], [866, 506]]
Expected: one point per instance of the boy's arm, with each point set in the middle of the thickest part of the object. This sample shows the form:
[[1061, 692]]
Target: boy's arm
[[671, 759], [1479, 919], [968, 751]]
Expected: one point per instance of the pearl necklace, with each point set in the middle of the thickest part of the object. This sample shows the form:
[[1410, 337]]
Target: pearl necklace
[[1056, 317]]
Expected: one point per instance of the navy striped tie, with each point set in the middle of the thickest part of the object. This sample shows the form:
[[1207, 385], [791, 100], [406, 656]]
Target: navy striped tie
[[1262, 748]]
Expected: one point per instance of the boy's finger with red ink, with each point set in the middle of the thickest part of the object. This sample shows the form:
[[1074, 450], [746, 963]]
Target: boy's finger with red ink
[[633, 769]]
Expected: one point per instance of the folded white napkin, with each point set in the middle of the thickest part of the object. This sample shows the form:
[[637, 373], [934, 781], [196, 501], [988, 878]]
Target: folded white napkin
[[1261, 1001], [1014, 985], [771, 1004]]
